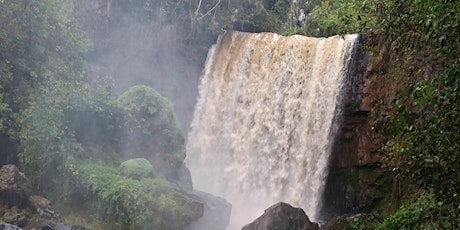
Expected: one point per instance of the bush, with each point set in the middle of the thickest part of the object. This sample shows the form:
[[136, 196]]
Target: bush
[[67, 121], [152, 125], [424, 213], [136, 168], [152, 130], [148, 203]]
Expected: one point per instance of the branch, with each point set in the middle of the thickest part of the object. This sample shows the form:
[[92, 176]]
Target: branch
[[213, 8]]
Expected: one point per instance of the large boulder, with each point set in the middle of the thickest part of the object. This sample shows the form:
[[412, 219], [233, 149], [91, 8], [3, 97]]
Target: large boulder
[[15, 188], [216, 215], [282, 216]]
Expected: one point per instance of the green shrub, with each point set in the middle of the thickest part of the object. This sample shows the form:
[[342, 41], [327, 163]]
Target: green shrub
[[152, 125], [424, 213], [136, 168], [152, 130], [67, 121], [148, 203]]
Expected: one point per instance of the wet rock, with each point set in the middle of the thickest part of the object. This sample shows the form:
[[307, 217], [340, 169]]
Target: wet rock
[[41, 205], [62, 226], [39, 202], [16, 216], [45, 227], [355, 182], [338, 223], [346, 222], [282, 216], [216, 213], [15, 188], [6, 226]]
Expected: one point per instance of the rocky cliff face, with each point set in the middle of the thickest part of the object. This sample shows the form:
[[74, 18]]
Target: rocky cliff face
[[355, 182]]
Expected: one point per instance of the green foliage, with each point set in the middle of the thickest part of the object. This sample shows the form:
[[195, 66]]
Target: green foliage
[[441, 24], [424, 213], [421, 123], [4, 111], [136, 168], [152, 125], [152, 130], [63, 123], [425, 140], [339, 17], [137, 204], [39, 40]]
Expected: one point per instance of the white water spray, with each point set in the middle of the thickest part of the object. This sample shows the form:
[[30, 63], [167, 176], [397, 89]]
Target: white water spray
[[265, 120]]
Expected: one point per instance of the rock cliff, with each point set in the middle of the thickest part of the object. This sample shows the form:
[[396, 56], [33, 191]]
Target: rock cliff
[[355, 182]]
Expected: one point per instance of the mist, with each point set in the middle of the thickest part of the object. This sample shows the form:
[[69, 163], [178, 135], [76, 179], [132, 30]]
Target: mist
[[136, 46]]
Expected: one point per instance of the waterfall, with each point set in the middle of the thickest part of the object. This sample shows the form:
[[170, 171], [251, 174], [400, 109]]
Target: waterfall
[[264, 123]]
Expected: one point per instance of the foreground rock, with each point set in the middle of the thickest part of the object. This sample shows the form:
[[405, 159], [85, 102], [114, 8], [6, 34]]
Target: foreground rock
[[15, 188], [282, 216], [216, 215], [21, 209], [43, 226], [6, 226]]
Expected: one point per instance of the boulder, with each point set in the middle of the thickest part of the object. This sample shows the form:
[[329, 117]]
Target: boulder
[[216, 214], [41, 205], [15, 188], [6, 226], [282, 216], [16, 216], [62, 226], [136, 168]]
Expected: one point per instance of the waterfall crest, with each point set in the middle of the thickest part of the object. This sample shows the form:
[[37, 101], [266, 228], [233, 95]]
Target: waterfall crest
[[264, 123]]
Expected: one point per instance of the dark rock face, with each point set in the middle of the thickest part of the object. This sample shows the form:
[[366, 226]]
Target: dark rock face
[[15, 188], [356, 183], [282, 216], [216, 215], [357, 143]]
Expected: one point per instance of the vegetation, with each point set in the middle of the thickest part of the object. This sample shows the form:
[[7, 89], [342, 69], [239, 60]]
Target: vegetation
[[421, 122], [152, 131], [136, 168], [54, 116], [136, 204], [152, 125]]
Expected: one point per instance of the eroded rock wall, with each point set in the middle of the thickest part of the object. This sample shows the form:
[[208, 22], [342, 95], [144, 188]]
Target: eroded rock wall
[[356, 183]]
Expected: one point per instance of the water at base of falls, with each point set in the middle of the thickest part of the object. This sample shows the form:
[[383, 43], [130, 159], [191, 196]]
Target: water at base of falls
[[265, 120]]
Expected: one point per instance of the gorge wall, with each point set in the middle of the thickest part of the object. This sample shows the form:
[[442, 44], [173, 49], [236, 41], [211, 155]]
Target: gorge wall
[[356, 183]]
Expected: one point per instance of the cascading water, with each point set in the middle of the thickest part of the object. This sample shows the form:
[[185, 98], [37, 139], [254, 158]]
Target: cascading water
[[265, 120]]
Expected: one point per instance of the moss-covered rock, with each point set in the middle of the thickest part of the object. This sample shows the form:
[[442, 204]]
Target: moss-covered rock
[[338, 223], [153, 132], [359, 189], [136, 168], [152, 127]]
